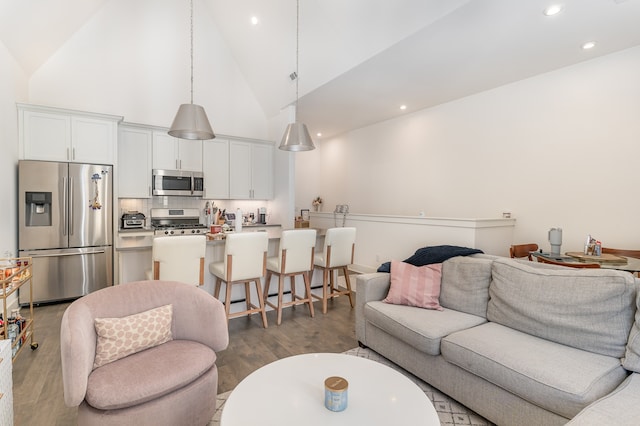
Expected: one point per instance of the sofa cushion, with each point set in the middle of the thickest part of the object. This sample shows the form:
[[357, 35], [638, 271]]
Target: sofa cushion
[[148, 375], [119, 337], [621, 407], [465, 284], [631, 359], [553, 376], [421, 328], [590, 309], [417, 286]]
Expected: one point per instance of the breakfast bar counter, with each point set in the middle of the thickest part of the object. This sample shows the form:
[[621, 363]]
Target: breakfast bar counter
[[215, 253]]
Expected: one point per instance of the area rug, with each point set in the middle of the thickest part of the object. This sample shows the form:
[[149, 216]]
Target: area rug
[[450, 412]]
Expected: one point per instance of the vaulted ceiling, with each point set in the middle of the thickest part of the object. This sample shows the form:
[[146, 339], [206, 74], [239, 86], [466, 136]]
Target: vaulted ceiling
[[360, 60]]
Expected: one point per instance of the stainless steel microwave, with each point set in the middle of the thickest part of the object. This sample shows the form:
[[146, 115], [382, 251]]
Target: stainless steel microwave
[[178, 182]]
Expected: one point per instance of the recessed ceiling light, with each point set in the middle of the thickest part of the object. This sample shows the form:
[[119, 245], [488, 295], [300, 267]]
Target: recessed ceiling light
[[589, 45], [403, 107], [254, 20], [554, 9], [318, 134]]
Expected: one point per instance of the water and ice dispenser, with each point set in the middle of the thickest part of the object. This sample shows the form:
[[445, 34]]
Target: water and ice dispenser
[[38, 208]]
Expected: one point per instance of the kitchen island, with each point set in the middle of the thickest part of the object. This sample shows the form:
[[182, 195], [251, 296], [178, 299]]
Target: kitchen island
[[133, 248], [215, 253]]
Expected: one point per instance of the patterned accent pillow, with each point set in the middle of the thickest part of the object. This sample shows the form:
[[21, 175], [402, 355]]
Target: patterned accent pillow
[[120, 337], [415, 285]]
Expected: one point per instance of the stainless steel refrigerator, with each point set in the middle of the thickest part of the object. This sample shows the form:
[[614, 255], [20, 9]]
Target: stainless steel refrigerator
[[65, 222]]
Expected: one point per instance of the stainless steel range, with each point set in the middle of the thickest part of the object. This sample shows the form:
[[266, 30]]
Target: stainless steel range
[[176, 222]]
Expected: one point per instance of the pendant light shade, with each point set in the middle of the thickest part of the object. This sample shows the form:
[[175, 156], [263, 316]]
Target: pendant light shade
[[191, 121], [296, 136]]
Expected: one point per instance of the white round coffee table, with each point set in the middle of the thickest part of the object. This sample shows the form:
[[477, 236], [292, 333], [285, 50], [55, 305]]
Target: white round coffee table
[[290, 391]]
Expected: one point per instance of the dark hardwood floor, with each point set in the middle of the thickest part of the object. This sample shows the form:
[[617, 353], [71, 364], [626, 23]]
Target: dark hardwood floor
[[37, 375]]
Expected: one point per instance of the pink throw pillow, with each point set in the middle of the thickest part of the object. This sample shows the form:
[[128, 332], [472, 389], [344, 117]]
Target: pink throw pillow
[[415, 285]]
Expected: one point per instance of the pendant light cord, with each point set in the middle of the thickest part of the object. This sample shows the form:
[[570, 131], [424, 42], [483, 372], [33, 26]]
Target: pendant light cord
[[297, 54], [191, 51]]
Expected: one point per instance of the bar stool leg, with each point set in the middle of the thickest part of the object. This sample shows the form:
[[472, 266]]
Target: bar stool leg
[[325, 285], [267, 285], [263, 312], [292, 284], [346, 278], [227, 304], [216, 293], [280, 295], [307, 292], [247, 297]]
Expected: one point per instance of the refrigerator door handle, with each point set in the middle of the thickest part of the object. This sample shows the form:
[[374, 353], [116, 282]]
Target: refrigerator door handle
[[70, 206], [65, 194], [34, 255]]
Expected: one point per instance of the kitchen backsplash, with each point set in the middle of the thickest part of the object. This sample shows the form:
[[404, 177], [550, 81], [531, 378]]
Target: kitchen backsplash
[[144, 205]]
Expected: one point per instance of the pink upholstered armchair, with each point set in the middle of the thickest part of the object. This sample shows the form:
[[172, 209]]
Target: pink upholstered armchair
[[171, 383]]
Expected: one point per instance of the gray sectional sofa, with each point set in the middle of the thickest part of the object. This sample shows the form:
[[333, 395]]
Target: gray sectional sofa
[[520, 343]]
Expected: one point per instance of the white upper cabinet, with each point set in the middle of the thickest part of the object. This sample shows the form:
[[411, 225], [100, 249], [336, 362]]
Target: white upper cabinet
[[215, 165], [176, 154], [250, 170], [134, 162], [53, 134]]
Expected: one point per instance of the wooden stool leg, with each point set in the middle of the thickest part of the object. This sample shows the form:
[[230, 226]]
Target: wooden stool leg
[[292, 280], [307, 289], [263, 311], [267, 284], [332, 280], [247, 297], [216, 292], [346, 278], [325, 285], [280, 295], [227, 305]]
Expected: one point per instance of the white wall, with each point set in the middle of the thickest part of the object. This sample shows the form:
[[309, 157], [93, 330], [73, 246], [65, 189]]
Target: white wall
[[133, 59], [560, 149], [13, 88]]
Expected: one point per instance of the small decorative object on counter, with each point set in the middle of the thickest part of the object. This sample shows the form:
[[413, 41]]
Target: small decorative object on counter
[[336, 393], [592, 247], [317, 203]]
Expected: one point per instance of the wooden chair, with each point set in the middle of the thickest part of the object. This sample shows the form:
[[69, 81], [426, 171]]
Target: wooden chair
[[295, 257], [623, 252], [337, 254], [522, 250], [178, 259], [568, 264], [245, 261]]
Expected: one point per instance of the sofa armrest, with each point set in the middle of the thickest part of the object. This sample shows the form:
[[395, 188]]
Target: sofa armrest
[[369, 287], [621, 407]]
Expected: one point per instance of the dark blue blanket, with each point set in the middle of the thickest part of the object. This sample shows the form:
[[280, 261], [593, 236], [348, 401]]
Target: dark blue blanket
[[432, 254]]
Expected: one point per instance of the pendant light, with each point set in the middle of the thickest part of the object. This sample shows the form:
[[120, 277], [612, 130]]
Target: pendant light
[[191, 121], [296, 136]]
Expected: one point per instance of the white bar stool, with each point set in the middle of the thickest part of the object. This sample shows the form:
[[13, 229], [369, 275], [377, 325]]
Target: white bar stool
[[339, 246], [245, 260], [295, 257], [178, 259]]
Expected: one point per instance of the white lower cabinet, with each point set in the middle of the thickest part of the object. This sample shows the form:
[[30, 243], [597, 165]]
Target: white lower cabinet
[[134, 264]]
